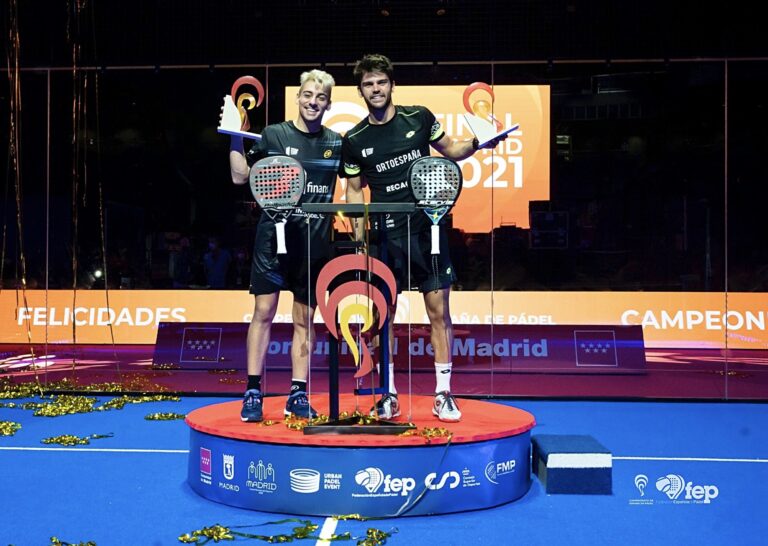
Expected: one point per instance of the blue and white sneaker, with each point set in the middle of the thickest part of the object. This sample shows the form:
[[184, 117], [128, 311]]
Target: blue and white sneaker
[[252, 411], [386, 408], [298, 405]]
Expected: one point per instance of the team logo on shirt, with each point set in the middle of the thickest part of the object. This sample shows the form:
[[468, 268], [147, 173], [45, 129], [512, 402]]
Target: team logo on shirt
[[409, 134], [327, 154], [366, 152]]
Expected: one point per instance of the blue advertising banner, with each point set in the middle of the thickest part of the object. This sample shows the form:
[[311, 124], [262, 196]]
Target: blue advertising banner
[[373, 482]]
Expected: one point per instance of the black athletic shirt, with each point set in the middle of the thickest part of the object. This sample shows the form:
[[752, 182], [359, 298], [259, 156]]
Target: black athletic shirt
[[382, 154], [320, 155]]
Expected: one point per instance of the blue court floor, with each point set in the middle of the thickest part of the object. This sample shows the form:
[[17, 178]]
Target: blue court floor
[[130, 488]]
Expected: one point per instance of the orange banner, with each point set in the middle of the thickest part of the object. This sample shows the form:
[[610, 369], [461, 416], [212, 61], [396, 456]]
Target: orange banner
[[499, 183], [669, 319]]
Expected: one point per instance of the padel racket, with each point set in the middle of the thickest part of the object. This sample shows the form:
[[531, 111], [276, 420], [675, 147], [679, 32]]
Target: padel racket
[[277, 183], [436, 185]]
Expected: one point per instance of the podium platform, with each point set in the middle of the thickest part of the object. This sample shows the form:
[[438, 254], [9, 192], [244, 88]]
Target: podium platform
[[485, 463]]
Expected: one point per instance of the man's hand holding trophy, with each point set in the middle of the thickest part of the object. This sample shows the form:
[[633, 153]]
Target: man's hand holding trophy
[[234, 116]]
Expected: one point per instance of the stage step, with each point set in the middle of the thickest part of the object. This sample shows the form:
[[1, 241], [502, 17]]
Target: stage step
[[572, 464]]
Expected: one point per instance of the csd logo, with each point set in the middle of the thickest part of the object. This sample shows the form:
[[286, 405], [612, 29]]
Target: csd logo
[[451, 477]]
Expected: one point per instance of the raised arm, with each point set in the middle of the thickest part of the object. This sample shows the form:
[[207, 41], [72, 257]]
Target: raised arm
[[237, 163], [462, 149]]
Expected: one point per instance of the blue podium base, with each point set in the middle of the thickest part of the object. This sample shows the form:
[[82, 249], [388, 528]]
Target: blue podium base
[[485, 463]]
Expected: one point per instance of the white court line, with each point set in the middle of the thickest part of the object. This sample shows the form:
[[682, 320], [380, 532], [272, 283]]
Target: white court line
[[329, 527], [185, 451], [691, 459], [94, 450]]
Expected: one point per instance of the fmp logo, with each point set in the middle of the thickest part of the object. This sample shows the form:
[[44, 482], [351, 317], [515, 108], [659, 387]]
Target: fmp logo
[[493, 469]]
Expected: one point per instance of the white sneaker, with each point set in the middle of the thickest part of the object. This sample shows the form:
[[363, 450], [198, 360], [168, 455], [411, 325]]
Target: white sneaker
[[386, 408], [445, 408]]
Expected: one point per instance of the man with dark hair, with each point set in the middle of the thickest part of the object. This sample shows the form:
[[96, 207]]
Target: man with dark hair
[[318, 149], [379, 151]]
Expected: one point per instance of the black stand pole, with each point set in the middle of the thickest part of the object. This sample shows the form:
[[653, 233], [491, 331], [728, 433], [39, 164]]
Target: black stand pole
[[352, 425]]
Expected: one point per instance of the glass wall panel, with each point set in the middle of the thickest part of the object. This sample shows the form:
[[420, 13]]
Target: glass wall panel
[[747, 274], [636, 227]]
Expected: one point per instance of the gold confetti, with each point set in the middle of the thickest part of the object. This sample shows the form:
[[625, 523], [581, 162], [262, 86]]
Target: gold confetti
[[165, 366], [56, 542], [72, 440], [9, 390], [223, 371], [429, 432], [164, 416], [216, 532], [345, 517], [9, 428], [66, 404], [374, 537], [232, 380]]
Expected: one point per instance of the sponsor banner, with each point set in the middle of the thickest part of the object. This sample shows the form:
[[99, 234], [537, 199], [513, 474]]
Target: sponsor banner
[[374, 482], [565, 348], [669, 319], [515, 172]]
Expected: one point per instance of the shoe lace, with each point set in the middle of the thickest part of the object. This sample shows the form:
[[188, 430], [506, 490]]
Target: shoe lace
[[251, 400], [449, 402], [300, 400]]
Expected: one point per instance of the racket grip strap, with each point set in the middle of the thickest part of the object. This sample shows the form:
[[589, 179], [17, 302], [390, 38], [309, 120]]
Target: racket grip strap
[[435, 239], [280, 232]]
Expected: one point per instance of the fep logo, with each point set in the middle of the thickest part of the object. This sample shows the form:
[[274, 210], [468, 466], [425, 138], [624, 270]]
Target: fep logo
[[671, 485], [677, 490], [373, 478]]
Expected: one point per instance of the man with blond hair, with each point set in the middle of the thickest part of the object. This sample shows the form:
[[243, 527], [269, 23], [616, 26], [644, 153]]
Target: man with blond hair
[[318, 149]]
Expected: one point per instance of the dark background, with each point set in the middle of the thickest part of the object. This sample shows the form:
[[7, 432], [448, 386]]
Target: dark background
[[658, 116]]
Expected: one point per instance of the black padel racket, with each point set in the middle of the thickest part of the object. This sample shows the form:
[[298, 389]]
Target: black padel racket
[[277, 183], [436, 185]]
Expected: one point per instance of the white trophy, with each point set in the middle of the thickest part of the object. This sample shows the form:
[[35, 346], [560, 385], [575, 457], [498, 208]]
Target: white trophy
[[234, 117], [480, 118]]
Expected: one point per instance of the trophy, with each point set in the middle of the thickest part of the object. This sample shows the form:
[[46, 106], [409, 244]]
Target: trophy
[[234, 117], [480, 117]]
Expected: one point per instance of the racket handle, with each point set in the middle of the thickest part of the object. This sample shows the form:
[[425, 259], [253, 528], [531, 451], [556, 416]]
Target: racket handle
[[435, 239], [280, 231]]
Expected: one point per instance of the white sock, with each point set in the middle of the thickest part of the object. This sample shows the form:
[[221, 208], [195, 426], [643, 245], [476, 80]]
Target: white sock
[[392, 388], [443, 376]]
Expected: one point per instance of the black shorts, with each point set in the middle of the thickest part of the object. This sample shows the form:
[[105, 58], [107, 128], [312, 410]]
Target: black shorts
[[272, 272], [428, 271]]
